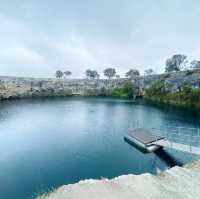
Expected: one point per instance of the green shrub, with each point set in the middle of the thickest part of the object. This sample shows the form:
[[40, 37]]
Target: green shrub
[[119, 92], [126, 92]]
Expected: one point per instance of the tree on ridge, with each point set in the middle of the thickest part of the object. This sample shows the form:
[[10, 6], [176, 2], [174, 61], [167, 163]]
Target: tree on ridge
[[59, 74], [109, 72], [175, 63], [92, 74], [67, 73], [132, 73]]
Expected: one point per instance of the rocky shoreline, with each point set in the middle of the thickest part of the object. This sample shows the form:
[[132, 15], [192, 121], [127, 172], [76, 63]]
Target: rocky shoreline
[[163, 88], [175, 183]]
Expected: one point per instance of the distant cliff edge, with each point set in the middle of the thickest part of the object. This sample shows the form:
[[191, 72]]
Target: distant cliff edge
[[180, 88]]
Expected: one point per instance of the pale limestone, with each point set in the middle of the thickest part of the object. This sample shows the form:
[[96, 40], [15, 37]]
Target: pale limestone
[[175, 183]]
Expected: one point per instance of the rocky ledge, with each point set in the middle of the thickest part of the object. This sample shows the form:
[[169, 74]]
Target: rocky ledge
[[18, 87], [175, 183]]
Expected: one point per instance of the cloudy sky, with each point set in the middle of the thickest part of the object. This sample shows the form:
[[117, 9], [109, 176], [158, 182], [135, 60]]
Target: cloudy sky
[[38, 37]]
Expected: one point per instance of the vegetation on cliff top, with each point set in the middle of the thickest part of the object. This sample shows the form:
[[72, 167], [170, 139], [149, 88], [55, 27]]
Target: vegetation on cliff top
[[175, 63], [186, 96]]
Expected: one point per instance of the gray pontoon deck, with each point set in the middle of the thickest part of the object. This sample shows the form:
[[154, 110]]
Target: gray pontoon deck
[[144, 138]]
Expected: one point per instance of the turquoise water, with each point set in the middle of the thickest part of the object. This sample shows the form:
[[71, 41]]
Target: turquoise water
[[45, 143]]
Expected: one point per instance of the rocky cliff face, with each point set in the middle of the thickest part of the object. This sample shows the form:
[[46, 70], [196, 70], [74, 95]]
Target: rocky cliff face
[[13, 87], [174, 81], [176, 183]]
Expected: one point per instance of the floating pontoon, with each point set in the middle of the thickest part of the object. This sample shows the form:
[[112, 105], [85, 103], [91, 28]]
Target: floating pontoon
[[144, 139]]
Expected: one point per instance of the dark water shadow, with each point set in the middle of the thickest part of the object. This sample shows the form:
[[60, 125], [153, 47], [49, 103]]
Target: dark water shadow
[[162, 154], [167, 158]]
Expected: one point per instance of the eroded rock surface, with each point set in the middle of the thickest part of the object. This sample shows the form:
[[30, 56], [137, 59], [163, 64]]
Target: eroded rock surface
[[176, 183], [16, 87]]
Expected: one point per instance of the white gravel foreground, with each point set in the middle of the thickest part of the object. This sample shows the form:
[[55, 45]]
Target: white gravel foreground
[[176, 183]]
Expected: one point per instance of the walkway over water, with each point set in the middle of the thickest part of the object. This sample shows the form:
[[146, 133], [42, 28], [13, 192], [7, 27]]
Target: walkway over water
[[178, 146], [178, 138]]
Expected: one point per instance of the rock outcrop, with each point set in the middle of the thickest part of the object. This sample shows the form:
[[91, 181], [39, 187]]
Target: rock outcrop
[[176, 183], [15, 87]]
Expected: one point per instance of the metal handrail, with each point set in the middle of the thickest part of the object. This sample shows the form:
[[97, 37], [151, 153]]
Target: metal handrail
[[181, 127], [183, 135], [178, 131], [190, 137]]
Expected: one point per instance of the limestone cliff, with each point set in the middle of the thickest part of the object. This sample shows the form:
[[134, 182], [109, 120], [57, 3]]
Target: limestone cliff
[[16, 87], [13, 87]]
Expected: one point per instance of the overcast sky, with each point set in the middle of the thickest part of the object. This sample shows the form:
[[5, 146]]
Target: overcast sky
[[38, 37]]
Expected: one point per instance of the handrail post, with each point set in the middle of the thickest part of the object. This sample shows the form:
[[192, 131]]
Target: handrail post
[[137, 124], [156, 138], [167, 135], [190, 142]]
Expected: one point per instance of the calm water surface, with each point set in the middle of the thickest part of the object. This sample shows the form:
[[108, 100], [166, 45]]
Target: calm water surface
[[45, 143]]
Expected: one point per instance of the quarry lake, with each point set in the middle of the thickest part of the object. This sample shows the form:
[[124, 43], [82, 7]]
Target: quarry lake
[[46, 143]]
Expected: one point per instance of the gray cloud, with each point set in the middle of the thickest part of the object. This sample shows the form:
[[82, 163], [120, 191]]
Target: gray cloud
[[39, 37]]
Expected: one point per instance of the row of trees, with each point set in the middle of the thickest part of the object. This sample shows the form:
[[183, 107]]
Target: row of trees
[[60, 74], [176, 63], [108, 73]]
